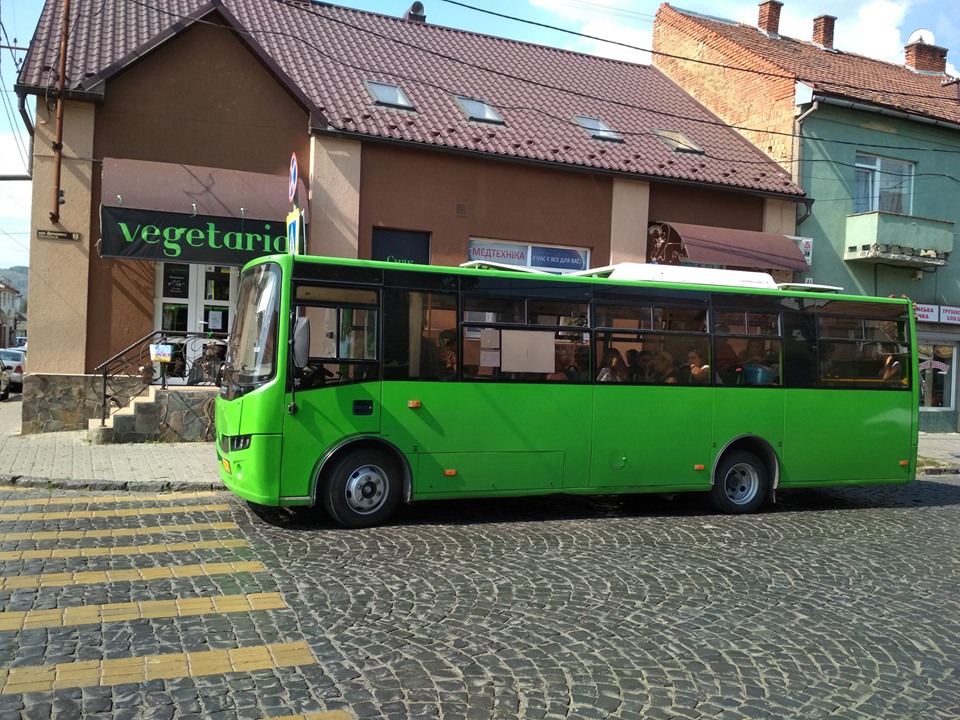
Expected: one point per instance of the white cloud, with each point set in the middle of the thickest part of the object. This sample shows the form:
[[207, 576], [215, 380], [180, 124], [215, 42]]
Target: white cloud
[[628, 37], [15, 199]]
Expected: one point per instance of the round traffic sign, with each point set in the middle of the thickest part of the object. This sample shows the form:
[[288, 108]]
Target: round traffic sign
[[293, 176]]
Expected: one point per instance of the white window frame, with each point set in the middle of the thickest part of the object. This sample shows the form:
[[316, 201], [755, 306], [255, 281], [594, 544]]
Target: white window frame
[[679, 142], [597, 128], [388, 95], [874, 170], [479, 110]]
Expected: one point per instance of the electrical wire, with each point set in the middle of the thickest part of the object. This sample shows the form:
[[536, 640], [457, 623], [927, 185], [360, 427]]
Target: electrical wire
[[301, 7], [791, 77]]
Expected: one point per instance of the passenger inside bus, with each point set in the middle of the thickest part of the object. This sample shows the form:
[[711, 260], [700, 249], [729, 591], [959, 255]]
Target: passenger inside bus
[[612, 367], [892, 370], [695, 371], [759, 366], [566, 370], [664, 369], [448, 354], [639, 362]]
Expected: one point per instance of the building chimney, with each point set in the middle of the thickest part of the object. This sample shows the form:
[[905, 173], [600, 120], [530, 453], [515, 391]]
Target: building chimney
[[926, 58], [769, 20], [823, 30], [415, 13]]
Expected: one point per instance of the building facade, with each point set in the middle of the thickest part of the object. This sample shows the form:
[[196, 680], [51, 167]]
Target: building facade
[[163, 161], [9, 315], [876, 147]]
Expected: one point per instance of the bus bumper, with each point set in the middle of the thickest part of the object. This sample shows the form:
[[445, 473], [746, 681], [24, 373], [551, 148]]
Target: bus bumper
[[252, 473]]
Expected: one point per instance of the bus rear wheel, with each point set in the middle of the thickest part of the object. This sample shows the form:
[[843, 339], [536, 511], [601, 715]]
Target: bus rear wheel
[[362, 489], [741, 484]]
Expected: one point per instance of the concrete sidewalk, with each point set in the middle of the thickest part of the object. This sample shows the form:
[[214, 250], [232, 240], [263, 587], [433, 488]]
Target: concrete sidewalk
[[69, 460]]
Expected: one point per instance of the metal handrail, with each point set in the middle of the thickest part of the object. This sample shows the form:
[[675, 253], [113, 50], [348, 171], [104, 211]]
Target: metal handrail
[[195, 359]]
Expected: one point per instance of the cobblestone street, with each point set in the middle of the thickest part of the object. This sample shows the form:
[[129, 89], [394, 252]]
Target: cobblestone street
[[830, 604]]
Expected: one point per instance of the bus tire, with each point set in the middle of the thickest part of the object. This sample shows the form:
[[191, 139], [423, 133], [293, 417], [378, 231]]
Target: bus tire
[[741, 484], [362, 488]]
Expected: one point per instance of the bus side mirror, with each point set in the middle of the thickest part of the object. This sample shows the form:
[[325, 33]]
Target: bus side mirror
[[301, 342]]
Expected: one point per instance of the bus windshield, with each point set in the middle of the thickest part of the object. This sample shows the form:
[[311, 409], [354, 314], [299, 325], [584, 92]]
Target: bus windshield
[[252, 348]]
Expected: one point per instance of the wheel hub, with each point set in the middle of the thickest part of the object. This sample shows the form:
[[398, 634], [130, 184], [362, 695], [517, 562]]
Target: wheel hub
[[741, 484], [366, 489]]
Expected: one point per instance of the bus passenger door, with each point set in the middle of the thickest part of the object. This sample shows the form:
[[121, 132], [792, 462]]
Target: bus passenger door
[[651, 436]]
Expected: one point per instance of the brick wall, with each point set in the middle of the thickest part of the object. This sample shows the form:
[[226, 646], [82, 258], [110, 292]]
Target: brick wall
[[743, 99]]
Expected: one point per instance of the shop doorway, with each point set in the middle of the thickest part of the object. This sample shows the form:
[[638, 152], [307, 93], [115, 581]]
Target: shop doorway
[[194, 306]]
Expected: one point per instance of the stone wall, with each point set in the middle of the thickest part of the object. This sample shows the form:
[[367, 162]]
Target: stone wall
[[52, 403], [176, 415]]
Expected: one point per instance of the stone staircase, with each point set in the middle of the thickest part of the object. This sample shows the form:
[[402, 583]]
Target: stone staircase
[[184, 414]]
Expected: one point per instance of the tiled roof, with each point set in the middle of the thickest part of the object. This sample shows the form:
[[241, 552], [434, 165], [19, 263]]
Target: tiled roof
[[834, 72], [325, 53]]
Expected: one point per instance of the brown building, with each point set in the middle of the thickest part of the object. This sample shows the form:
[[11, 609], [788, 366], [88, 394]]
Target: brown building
[[162, 158]]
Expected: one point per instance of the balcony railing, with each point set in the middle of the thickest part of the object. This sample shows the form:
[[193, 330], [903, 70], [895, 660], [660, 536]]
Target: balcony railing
[[895, 239], [193, 359]]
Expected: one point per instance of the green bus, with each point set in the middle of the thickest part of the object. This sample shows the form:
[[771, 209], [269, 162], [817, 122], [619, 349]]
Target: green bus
[[356, 385]]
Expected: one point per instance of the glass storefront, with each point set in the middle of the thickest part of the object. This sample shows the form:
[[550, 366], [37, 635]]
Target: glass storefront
[[937, 349]]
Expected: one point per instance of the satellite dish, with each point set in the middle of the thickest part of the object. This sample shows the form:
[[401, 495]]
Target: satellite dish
[[922, 36]]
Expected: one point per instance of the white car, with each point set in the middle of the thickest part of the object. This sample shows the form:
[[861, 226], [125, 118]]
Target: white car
[[16, 361]]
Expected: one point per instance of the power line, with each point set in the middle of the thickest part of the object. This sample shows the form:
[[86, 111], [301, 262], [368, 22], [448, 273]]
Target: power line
[[300, 7], [781, 76]]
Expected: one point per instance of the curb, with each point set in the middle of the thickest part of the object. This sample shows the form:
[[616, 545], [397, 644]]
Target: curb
[[945, 470], [161, 486], [157, 486]]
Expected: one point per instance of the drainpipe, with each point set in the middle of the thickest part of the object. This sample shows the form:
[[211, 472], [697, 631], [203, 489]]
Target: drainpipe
[[25, 116], [58, 139], [798, 154]]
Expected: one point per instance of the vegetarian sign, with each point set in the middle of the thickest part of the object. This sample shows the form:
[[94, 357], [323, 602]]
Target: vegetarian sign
[[155, 235]]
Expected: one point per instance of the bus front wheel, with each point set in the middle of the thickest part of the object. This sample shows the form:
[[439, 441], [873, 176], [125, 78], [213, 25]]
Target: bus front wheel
[[741, 484], [362, 489]]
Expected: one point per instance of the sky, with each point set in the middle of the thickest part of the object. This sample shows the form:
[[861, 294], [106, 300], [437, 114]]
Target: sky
[[875, 28]]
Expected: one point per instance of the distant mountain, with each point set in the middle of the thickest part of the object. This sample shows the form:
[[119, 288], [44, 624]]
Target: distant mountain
[[16, 277]]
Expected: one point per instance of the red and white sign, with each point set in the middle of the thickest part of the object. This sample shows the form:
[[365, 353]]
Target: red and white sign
[[950, 315], [927, 313]]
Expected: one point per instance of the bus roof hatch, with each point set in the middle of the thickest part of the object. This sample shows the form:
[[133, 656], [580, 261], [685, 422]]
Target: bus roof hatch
[[652, 272]]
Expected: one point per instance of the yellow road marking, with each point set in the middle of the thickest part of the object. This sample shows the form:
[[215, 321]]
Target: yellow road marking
[[120, 612], [115, 512], [127, 497], [91, 673], [106, 576], [116, 532], [54, 553]]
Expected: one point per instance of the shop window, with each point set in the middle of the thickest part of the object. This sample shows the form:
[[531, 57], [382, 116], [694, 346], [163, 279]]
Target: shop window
[[937, 377]]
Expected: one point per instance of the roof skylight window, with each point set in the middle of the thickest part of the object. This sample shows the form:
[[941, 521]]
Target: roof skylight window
[[597, 128], [479, 110], [390, 95], [678, 142]]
